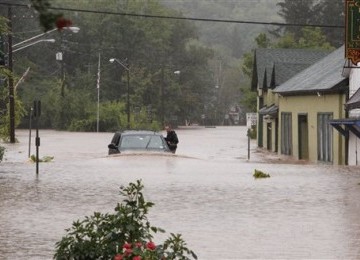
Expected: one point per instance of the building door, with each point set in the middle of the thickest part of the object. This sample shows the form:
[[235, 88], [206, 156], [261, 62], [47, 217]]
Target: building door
[[268, 136], [303, 137], [325, 137], [286, 133], [260, 130], [276, 134]]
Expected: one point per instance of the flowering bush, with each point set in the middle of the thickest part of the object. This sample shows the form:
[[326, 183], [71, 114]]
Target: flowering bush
[[125, 234], [139, 251]]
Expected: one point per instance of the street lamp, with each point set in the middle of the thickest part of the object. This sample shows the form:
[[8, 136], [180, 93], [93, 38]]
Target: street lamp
[[10, 65], [33, 43], [59, 55], [128, 88], [73, 29]]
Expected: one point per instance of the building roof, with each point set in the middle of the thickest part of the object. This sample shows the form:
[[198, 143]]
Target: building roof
[[354, 101], [323, 76], [280, 62], [282, 71], [269, 110]]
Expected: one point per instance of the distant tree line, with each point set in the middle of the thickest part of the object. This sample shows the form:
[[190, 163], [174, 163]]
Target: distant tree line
[[211, 67]]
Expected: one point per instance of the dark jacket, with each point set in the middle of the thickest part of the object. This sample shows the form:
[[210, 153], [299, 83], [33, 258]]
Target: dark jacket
[[172, 140]]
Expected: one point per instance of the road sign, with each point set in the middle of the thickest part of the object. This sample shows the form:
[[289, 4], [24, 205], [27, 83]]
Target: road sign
[[251, 119]]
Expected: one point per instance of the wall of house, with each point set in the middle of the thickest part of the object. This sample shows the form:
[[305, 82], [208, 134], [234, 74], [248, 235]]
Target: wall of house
[[271, 98], [311, 105], [354, 81], [354, 150], [354, 141], [269, 144]]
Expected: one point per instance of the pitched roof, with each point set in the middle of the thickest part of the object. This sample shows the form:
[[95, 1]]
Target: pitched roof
[[323, 76], [354, 101], [296, 60], [282, 71]]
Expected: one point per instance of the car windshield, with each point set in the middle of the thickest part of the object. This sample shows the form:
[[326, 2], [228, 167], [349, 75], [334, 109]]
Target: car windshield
[[141, 142]]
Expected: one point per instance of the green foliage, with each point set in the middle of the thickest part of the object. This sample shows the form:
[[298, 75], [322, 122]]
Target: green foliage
[[315, 12], [5, 116], [252, 132], [101, 235], [149, 45], [259, 174], [297, 12], [4, 28], [310, 38], [143, 120], [43, 159], [47, 18], [331, 13], [177, 248], [2, 152]]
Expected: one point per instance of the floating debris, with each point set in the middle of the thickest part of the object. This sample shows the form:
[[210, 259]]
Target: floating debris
[[2, 152], [259, 174], [44, 159]]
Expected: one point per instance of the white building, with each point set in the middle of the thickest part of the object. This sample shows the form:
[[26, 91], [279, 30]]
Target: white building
[[350, 127]]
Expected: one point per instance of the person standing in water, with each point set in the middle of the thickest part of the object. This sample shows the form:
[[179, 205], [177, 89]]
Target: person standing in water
[[171, 138]]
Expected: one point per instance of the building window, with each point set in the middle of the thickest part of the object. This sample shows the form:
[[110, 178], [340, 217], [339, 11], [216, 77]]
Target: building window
[[325, 137], [286, 133]]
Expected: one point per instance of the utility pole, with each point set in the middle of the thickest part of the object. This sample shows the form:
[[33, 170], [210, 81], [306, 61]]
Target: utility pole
[[162, 94], [11, 80], [98, 95]]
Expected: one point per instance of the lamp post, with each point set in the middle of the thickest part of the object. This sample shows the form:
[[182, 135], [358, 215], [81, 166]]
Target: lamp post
[[128, 88], [60, 56], [73, 29], [33, 43], [10, 65]]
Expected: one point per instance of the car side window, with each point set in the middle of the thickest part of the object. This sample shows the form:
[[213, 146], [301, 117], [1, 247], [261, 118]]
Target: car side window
[[155, 142]]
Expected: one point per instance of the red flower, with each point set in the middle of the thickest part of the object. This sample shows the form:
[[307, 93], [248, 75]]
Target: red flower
[[138, 244], [61, 22], [128, 251], [118, 257], [127, 246], [150, 245], [137, 257]]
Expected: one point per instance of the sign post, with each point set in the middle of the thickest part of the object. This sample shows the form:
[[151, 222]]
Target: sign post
[[37, 112], [251, 120], [352, 30]]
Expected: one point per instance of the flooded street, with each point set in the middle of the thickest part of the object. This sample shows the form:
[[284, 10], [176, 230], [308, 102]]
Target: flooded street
[[206, 192]]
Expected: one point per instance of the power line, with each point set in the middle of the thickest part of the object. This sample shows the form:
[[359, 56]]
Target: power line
[[183, 18]]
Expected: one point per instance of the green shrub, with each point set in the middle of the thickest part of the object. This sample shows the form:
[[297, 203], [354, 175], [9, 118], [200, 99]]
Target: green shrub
[[252, 133], [2, 152], [260, 174], [125, 234]]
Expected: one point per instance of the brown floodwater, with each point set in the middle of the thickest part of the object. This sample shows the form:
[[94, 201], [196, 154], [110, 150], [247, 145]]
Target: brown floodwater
[[206, 192]]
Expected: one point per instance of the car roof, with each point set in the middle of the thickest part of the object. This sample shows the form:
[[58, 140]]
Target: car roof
[[139, 132]]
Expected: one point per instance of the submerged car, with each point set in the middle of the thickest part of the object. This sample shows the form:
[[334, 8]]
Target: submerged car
[[138, 141]]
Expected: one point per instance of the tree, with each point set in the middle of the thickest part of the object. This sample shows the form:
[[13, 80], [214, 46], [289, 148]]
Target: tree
[[310, 38], [331, 13], [322, 12], [296, 12], [149, 45], [5, 73], [249, 97]]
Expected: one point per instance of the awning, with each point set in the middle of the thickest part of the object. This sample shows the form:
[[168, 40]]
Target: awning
[[269, 110], [347, 124], [354, 101]]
